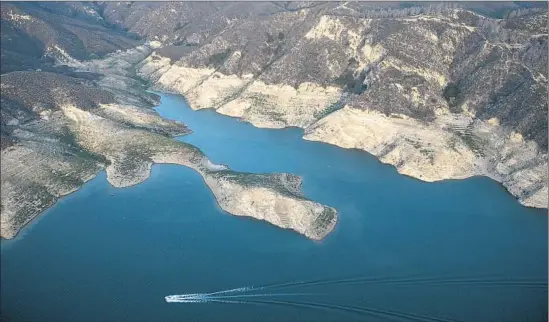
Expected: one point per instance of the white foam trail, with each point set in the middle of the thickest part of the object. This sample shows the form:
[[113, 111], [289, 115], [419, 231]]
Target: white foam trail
[[234, 290], [258, 295], [188, 295], [198, 296], [228, 301], [178, 299], [208, 297]]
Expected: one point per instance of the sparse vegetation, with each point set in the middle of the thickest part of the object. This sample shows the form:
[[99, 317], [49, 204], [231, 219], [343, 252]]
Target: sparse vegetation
[[350, 82], [325, 219], [429, 153], [67, 137], [328, 110], [216, 60], [474, 143], [451, 93], [396, 70]]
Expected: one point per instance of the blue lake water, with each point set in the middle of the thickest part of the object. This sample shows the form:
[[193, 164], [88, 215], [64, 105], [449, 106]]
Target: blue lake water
[[403, 250]]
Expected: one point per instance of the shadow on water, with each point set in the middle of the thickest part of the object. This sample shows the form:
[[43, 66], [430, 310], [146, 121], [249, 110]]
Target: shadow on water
[[456, 250]]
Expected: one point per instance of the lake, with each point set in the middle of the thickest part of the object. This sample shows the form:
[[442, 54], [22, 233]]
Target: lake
[[403, 249]]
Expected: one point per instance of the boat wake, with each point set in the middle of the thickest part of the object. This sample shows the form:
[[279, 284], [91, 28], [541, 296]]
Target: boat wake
[[225, 296], [267, 294]]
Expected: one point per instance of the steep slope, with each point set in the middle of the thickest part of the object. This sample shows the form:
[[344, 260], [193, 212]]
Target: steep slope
[[61, 126], [65, 130], [33, 32], [400, 79], [436, 90]]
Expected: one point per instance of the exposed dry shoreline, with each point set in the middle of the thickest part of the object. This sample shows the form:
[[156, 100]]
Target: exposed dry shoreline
[[454, 146], [10, 231], [437, 95], [126, 138]]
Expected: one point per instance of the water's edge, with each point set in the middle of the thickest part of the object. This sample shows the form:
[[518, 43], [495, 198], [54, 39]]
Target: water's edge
[[302, 135], [116, 254]]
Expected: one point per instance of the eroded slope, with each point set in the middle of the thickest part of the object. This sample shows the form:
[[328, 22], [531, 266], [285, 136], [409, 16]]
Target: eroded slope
[[439, 94], [60, 131]]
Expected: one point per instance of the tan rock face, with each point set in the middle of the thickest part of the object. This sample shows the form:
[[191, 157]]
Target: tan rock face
[[265, 203], [403, 116], [415, 149], [132, 153], [127, 139], [278, 106], [444, 150], [451, 147], [264, 105]]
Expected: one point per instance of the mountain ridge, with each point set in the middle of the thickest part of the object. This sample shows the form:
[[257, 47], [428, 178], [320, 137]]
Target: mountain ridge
[[430, 61]]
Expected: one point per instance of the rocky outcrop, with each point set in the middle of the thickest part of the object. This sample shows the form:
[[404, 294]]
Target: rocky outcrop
[[439, 94], [264, 105], [66, 129], [64, 118], [275, 198], [451, 147], [438, 91]]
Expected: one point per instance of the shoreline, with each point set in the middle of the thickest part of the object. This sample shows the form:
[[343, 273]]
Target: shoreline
[[126, 135], [512, 180], [434, 181], [302, 135], [34, 219]]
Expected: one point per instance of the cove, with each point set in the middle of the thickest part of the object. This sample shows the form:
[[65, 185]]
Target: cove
[[403, 249]]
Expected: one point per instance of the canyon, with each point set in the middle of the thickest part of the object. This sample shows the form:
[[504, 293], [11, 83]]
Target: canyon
[[439, 92]]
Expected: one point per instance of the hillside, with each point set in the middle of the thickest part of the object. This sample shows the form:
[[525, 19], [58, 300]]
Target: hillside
[[73, 116], [440, 91]]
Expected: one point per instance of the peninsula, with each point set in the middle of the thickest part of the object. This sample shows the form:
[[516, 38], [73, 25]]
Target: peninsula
[[438, 91]]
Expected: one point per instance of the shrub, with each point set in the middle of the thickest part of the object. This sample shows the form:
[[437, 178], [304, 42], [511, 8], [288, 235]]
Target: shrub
[[218, 59], [450, 94]]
